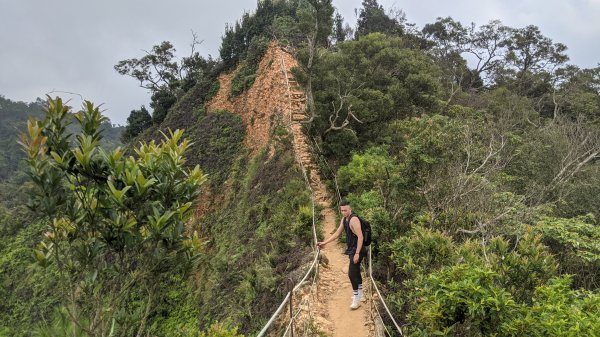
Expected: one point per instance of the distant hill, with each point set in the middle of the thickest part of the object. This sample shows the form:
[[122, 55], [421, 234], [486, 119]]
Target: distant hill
[[13, 120]]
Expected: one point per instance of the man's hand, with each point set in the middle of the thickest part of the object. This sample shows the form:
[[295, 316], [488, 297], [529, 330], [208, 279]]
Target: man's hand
[[356, 256], [320, 244]]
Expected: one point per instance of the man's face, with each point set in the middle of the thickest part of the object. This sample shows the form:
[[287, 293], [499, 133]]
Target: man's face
[[346, 211]]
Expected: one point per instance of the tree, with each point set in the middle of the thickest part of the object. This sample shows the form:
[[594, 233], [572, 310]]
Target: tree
[[159, 69], [161, 102], [238, 37], [364, 85], [372, 19], [316, 21], [576, 92], [531, 58], [138, 121], [449, 40], [116, 224], [164, 76], [156, 70], [339, 33], [489, 48], [558, 154]]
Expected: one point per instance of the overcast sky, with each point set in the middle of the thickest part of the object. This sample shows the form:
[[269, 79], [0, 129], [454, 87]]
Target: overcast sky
[[72, 45]]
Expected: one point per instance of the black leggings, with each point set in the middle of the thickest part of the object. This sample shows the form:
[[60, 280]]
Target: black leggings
[[354, 271]]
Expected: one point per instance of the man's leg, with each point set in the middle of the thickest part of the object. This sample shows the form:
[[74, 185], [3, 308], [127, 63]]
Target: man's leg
[[360, 286], [355, 279]]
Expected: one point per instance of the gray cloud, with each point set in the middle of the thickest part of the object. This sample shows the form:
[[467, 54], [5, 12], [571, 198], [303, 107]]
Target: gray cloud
[[72, 45]]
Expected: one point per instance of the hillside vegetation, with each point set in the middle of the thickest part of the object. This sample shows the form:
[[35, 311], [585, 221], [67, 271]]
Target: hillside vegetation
[[479, 180], [28, 290]]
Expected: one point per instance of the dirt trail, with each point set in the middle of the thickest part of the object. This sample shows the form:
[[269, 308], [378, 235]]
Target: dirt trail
[[275, 98], [334, 293]]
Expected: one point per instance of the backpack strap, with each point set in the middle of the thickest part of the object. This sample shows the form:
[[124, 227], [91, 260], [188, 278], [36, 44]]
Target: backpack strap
[[350, 218]]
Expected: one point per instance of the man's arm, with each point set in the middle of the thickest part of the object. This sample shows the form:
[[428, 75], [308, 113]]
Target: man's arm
[[357, 230], [334, 236]]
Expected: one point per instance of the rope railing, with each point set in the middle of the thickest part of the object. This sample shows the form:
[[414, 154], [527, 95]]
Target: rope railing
[[315, 263], [381, 298], [305, 302], [370, 267]]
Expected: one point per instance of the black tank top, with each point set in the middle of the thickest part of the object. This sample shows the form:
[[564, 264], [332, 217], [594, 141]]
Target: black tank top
[[351, 238]]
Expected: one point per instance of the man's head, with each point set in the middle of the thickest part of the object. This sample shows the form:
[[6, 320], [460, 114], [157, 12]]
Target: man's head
[[345, 208]]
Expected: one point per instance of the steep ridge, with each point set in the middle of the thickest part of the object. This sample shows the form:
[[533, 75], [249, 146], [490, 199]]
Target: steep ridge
[[262, 106], [275, 98]]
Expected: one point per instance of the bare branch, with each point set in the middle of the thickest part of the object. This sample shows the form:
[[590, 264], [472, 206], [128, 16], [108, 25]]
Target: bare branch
[[343, 98]]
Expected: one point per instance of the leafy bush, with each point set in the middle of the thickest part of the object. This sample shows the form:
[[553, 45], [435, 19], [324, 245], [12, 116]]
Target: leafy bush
[[422, 252], [371, 169], [467, 287], [576, 243], [218, 330], [466, 300], [521, 267], [115, 223], [466, 294], [214, 89], [246, 74], [556, 311]]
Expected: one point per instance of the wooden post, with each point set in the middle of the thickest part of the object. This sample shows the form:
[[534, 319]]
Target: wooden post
[[291, 290]]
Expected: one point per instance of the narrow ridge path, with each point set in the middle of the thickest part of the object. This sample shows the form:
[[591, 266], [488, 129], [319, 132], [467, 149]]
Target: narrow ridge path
[[332, 314]]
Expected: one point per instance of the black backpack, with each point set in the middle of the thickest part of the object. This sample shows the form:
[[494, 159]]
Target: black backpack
[[366, 230]]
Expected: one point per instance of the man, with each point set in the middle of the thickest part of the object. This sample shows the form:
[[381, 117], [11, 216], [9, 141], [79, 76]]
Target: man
[[356, 252]]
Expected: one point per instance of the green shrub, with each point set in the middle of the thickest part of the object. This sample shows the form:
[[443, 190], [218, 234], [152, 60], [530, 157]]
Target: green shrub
[[521, 267], [576, 243], [422, 252], [366, 171], [115, 224], [214, 89], [219, 330], [556, 311], [463, 294], [246, 74]]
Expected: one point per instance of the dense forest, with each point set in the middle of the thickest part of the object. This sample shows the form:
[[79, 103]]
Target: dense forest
[[472, 151]]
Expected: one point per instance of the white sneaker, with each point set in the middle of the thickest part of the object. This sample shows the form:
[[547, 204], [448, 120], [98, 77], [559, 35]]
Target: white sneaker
[[360, 294], [355, 302]]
